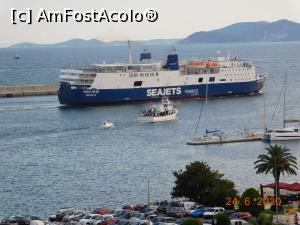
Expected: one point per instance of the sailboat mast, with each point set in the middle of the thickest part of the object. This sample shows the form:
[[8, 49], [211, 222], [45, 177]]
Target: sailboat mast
[[148, 200], [206, 93], [284, 100], [264, 115]]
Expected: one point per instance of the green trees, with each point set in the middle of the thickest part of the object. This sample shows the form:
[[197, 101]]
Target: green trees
[[222, 219], [249, 202], [277, 161], [202, 184], [193, 221]]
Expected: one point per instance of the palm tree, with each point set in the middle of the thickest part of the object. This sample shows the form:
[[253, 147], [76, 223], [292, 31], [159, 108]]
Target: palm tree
[[277, 161]]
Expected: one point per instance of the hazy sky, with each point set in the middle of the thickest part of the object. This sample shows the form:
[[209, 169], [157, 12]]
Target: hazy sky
[[177, 19]]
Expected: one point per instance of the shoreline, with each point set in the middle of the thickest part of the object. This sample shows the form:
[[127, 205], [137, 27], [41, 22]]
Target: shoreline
[[28, 90]]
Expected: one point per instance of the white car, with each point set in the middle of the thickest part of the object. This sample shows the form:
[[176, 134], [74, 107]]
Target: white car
[[90, 219], [212, 212], [238, 222]]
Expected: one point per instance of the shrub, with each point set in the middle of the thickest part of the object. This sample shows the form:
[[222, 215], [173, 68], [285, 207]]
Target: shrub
[[249, 202], [193, 221], [222, 219], [264, 219]]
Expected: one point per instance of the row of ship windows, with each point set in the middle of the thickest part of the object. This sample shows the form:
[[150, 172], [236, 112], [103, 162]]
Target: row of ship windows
[[212, 79], [237, 69], [200, 80], [233, 75], [142, 74]]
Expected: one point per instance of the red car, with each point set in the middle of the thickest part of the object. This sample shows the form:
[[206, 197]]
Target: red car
[[101, 211], [241, 215], [128, 207]]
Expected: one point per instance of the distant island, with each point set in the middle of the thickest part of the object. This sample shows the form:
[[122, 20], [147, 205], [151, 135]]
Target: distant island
[[281, 30], [95, 43]]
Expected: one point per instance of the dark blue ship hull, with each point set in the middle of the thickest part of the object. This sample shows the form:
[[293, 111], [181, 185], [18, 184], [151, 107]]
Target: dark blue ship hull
[[69, 96]]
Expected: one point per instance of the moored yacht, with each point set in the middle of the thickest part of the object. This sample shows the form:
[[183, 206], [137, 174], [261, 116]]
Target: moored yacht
[[285, 133]]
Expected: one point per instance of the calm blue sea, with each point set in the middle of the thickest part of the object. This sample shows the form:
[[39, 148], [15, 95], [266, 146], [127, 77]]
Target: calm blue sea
[[54, 156]]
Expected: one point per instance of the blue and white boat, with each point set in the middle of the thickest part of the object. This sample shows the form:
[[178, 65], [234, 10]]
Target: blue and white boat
[[151, 80]]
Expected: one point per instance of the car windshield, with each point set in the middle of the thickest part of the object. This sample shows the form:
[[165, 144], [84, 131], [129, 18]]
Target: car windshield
[[97, 218], [87, 217], [135, 215], [174, 204], [111, 212], [211, 210]]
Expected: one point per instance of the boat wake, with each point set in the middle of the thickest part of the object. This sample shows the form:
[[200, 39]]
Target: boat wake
[[27, 107]]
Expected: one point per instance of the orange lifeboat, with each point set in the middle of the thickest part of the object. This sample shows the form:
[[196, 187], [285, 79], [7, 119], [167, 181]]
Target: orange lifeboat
[[212, 64], [197, 64]]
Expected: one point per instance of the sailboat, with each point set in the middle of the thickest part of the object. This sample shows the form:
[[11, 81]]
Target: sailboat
[[210, 135], [285, 133]]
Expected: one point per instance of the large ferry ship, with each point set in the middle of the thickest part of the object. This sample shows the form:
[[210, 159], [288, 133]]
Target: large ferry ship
[[152, 80]]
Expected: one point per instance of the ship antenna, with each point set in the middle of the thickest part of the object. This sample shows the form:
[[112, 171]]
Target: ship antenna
[[129, 52]]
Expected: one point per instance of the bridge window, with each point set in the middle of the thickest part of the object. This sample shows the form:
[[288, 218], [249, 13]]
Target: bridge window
[[137, 83], [211, 79], [200, 80]]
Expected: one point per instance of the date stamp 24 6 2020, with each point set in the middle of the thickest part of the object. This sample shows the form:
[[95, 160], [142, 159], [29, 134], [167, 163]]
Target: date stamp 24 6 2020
[[260, 201]]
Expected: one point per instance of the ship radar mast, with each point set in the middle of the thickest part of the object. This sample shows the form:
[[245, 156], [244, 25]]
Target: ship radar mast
[[228, 53], [129, 52]]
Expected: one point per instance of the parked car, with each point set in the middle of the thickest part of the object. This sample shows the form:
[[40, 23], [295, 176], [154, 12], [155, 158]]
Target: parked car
[[37, 222], [198, 213], [162, 208], [241, 215], [238, 222], [5, 221], [90, 219], [128, 207], [177, 212], [106, 220], [139, 207], [187, 205], [166, 223], [209, 214], [159, 219], [60, 214], [156, 204], [120, 213], [70, 216], [101, 211], [193, 208], [24, 220], [78, 217], [130, 214]]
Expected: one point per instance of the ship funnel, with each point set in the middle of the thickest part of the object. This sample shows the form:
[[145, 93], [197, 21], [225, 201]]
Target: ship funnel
[[146, 55], [172, 61]]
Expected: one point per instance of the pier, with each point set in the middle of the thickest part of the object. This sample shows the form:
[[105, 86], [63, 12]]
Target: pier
[[28, 90], [224, 140]]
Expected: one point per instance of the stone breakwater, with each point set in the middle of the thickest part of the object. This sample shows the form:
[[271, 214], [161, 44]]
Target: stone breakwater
[[28, 90]]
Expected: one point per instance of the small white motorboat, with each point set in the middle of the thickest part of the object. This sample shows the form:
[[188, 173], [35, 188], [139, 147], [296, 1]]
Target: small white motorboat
[[16, 57], [166, 111], [107, 124]]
